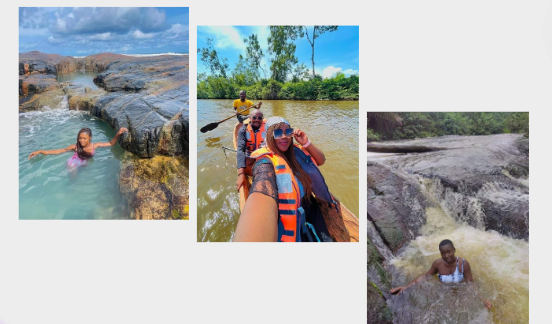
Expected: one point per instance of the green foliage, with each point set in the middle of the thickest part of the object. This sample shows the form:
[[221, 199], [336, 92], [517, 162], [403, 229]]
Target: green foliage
[[282, 48], [430, 124], [518, 122], [339, 87], [210, 57]]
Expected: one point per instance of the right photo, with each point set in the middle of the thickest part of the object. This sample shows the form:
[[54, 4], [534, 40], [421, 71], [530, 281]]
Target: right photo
[[277, 118], [448, 217]]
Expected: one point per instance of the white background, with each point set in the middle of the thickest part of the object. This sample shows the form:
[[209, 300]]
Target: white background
[[414, 55]]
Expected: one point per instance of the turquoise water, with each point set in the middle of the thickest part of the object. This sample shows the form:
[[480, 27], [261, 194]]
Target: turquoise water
[[47, 188]]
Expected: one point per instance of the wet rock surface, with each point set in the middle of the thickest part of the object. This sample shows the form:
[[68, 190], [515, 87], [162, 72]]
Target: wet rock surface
[[148, 96], [483, 180], [156, 188]]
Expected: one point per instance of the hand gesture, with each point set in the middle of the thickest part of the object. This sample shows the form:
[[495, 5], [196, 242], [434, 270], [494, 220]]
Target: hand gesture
[[259, 105], [397, 290], [122, 130], [300, 136], [33, 154], [240, 182]]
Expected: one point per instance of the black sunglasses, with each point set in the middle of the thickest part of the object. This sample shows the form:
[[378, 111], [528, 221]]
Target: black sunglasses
[[257, 118], [279, 133]]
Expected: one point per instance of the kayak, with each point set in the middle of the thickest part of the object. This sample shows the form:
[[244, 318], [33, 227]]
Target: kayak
[[350, 221]]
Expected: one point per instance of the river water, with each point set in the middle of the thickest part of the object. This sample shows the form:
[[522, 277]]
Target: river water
[[331, 125], [50, 190], [500, 265]]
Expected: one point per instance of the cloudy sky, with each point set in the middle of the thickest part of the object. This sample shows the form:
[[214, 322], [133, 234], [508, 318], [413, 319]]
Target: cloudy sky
[[334, 52], [85, 31]]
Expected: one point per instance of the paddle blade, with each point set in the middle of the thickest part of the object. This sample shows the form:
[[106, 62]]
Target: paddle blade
[[209, 127]]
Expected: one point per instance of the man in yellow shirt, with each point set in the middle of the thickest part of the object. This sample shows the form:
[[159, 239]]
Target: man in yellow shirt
[[242, 106]]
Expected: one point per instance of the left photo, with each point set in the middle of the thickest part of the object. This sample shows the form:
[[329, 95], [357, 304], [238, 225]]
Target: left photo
[[103, 113]]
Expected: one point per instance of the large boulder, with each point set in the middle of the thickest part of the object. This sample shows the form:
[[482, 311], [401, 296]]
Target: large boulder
[[150, 97], [156, 188]]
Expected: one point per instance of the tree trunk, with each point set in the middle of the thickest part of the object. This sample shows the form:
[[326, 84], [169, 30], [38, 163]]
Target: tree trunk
[[378, 148]]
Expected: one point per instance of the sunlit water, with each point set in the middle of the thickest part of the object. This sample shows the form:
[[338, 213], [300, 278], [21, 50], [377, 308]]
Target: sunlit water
[[331, 125], [48, 189]]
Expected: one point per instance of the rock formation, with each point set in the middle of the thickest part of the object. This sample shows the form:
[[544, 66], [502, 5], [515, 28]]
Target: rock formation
[[148, 96]]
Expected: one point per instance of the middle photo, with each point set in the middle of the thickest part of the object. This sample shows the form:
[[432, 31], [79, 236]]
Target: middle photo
[[278, 129]]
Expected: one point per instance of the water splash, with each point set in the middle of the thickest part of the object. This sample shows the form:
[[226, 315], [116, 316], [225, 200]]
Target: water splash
[[500, 267]]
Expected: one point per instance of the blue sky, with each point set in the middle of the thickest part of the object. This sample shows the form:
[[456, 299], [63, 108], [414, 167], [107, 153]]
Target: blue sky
[[86, 31], [334, 52]]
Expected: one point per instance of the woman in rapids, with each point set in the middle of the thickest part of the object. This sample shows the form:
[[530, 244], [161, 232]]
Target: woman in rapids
[[449, 269], [84, 148], [281, 205]]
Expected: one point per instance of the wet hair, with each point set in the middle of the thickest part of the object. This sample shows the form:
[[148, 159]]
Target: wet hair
[[80, 150], [289, 157], [445, 242]]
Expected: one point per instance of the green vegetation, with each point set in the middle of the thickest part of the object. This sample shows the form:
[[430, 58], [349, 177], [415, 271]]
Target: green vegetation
[[288, 80], [409, 125]]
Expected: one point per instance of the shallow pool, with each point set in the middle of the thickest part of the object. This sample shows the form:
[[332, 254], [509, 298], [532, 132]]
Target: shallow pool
[[47, 188]]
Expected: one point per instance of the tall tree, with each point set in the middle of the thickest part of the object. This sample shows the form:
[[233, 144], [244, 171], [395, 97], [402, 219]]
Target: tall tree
[[300, 72], [316, 32], [254, 53], [210, 57], [282, 48]]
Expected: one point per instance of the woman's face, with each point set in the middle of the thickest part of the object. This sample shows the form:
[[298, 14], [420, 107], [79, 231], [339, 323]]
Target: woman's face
[[84, 139], [447, 253], [284, 142]]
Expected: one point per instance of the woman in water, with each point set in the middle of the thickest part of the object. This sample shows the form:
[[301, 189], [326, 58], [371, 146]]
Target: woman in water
[[84, 148], [449, 269], [281, 206]]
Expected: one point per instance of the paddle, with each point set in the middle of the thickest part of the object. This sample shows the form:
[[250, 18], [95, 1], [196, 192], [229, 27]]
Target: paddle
[[211, 126]]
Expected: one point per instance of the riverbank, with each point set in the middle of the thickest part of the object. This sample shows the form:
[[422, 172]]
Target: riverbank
[[474, 191], [339, 87], [148, 95]]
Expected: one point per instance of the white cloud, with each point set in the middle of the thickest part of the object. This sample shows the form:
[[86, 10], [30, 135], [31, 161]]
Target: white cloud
[[54, 40], [350, 72], [331, 71], [102, 37], [225, 37], [137, 34]]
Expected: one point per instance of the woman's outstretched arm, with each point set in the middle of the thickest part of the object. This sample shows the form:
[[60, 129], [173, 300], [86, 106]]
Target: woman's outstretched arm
[[113, 141], [472, 286], [259, 219], [52, 152], [432, 271]]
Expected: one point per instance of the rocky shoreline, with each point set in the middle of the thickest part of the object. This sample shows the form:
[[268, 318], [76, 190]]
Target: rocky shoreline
[[147, 95]]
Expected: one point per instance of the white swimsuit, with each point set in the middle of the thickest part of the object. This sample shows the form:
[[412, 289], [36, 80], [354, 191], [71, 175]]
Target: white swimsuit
[[456, 277]]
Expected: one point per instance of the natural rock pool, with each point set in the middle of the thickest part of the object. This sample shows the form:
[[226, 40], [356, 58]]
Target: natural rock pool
[[50, 190]]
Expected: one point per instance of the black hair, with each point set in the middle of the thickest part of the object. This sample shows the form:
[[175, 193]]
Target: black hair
[[445, 242], [80, 150]]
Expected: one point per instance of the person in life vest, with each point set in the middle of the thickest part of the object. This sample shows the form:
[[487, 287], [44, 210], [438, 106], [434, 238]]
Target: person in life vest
[[281, 205], [250, 137]]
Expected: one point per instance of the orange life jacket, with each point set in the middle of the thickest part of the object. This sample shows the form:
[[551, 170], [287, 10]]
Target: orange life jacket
[[254, 138], [291, 216]]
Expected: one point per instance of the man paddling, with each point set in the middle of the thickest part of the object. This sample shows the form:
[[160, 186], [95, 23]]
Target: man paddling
[[250, 137], [242, 106]]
